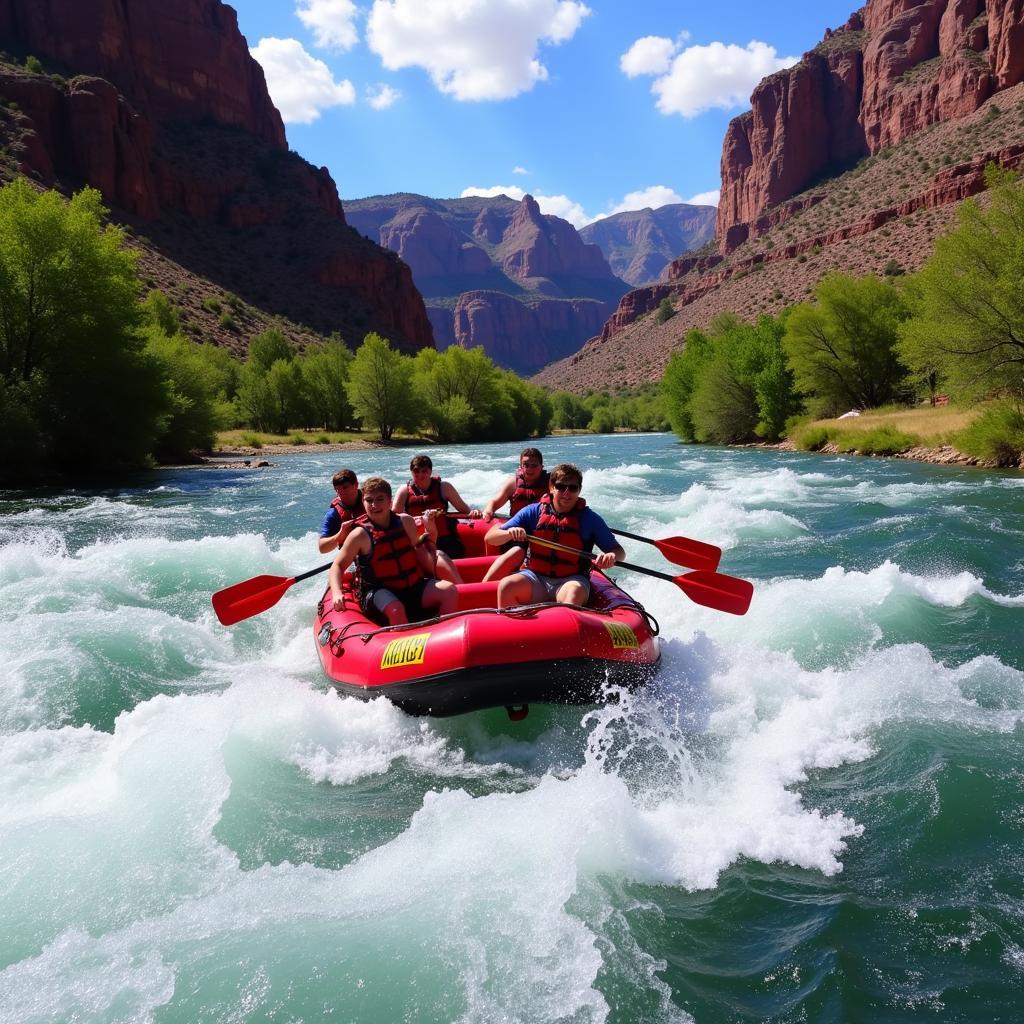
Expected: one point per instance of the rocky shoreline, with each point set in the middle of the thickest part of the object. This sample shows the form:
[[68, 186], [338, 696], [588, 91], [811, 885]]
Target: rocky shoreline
[[242, 456], [941, 455]]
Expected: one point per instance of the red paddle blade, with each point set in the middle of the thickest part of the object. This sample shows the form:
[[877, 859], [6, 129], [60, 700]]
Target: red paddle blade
[[716, 590], [243, 600], [694, 554]]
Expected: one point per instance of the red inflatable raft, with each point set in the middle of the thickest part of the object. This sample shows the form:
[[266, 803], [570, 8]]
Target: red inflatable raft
[[480, 657]]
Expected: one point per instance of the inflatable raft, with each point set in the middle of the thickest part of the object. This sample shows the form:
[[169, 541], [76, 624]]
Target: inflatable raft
[[482, 657]]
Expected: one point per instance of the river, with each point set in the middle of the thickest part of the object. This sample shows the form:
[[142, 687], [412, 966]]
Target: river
[[813, 814]]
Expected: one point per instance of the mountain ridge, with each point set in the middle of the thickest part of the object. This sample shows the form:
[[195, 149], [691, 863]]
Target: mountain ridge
[[496, 272], [168, 115]]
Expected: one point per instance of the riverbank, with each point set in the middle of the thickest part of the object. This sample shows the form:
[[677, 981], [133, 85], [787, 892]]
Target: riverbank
[[939, 455]]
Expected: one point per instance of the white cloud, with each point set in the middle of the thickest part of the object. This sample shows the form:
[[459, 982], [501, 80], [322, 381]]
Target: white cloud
[[519, 170], [381, 96], [332, 22], [472, 49], [653, 196], [300, 85], [710, 198], [700, 78], [651, 55], [557, 206]]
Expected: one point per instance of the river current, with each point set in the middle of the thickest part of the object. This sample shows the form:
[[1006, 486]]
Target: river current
[[813, 814]]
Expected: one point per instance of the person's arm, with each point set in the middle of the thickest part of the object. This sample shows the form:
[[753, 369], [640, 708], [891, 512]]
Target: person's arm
[[333, 540], [454, 498], [517, 528], [357, 543], [499, 499], [401, 498], [611, 550], [421, 544]]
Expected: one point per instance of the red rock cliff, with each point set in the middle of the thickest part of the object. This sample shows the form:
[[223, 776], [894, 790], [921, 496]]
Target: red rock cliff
[[166, 114], [183, 59], [896, 67]]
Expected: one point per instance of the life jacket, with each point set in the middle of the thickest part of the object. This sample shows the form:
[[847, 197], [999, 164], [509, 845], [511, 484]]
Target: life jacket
[[562, 530], [392, 562], [417, 502], [526, 494], [347, 512]]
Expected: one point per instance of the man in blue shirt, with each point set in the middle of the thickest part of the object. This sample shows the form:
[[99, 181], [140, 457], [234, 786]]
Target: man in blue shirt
[[563, 517], [346, 507]]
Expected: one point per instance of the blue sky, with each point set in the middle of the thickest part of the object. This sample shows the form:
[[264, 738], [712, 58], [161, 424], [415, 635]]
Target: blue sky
[[592, 107]]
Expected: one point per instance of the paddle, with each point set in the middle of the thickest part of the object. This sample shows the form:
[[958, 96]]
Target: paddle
[[692, 553], [712, 589], [243, 600]]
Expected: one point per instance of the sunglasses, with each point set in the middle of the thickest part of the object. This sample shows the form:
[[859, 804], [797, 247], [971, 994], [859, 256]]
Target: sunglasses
[[571, 488]]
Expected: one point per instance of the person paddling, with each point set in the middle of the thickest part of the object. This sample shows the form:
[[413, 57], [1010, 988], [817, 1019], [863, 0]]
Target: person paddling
[[395, 568], [345, 508], [429, 496], [527, 485], [561, 516]]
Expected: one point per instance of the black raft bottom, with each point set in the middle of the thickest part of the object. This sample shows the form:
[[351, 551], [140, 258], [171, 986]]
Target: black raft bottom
[[567, 681]]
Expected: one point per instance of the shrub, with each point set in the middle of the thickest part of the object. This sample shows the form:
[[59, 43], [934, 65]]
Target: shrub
[[323, 439], [884, 440], [810, 439], [227, 321], [252, 440], [33, 64], [894, 269], [297, 439], [211, 305], [997, 435], [665, 310]]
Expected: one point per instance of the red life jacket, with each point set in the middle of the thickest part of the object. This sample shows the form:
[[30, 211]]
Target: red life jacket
[[417, 502], [347, 512], [562, 530], [392, 562], [525, 494]]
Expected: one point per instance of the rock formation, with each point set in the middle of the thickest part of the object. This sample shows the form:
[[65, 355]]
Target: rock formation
[[640, 244], [889, 72], [496, 272], [855, 160], [142, 101]]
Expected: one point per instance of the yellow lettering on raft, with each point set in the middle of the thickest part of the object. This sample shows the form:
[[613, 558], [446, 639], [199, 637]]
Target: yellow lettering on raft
[[622, 636], [408, 650]]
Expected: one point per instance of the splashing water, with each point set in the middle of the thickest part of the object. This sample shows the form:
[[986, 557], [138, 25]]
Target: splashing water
[[812, 813]]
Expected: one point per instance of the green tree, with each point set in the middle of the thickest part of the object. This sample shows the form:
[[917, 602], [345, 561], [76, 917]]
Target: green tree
[[380, 387], [842, 348], [72, 360], [254, 401], [457, 372], [325, 369], [267, 348], [680, 379], [158, 311], [967, 300], [724, 401], [289, 406], [569, 412], [197, 406]]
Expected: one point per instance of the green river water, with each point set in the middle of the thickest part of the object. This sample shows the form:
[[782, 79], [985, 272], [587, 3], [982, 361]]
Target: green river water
[[814, 813]]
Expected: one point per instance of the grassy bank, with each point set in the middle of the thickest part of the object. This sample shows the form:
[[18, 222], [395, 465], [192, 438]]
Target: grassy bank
[[252, 440], [887, 431]]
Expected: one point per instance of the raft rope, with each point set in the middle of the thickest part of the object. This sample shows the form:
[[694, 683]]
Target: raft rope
[[519, 611]]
